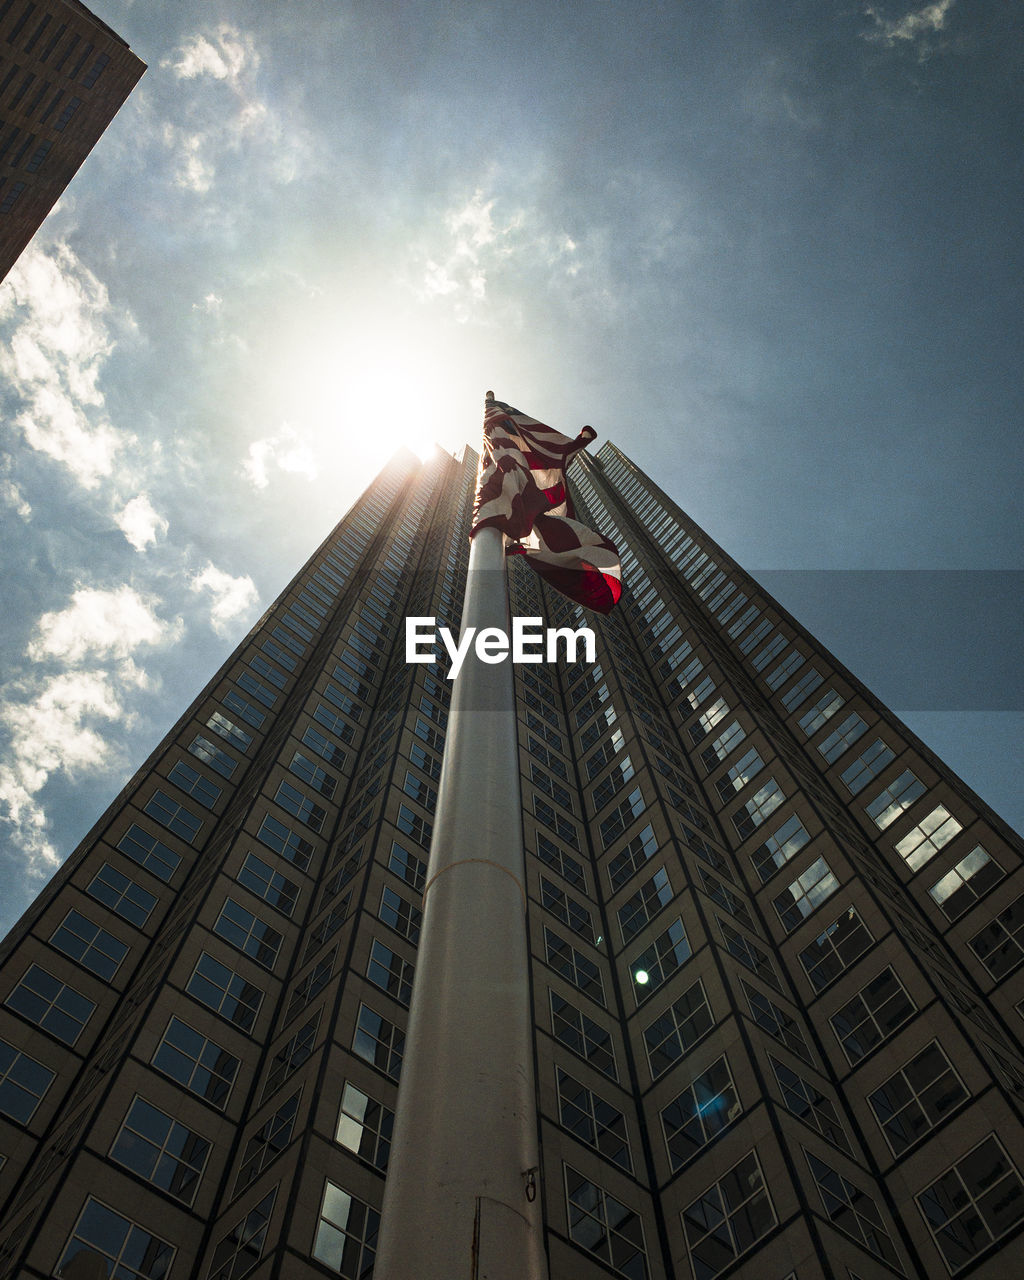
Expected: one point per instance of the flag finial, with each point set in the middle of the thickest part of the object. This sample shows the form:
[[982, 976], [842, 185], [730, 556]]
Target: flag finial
[[488, 395]]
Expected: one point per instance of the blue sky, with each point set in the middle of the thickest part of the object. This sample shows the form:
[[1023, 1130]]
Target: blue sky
[[772, 251]]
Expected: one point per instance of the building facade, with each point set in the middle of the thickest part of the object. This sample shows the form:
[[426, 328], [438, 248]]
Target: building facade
[[777, 947], [63, 77]]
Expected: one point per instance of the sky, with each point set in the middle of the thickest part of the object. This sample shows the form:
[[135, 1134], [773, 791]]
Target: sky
[[774, 252]]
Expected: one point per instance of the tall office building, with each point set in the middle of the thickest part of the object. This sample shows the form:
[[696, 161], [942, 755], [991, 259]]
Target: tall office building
[[777, 947], [63, 77]]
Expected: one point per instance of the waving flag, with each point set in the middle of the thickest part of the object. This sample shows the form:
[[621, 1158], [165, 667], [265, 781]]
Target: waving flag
[[521, 490]]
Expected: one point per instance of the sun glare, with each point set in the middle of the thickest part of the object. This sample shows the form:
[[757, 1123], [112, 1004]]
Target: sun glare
[[360, 395]]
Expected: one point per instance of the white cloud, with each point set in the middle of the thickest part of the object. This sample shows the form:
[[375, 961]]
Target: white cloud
[[285, 451], [60, 722], [232, 597], [223, 55], [912, 26], [12, 496], [225, 114], [100, 624], [139, 523], [56, 728], [60, 324]]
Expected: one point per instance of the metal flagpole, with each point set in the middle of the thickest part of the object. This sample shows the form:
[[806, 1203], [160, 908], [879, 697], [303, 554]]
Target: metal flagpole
[[462, 1197]]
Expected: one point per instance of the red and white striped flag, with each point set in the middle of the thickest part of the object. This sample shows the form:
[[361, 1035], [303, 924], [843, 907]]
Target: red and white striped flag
[[521, 490]]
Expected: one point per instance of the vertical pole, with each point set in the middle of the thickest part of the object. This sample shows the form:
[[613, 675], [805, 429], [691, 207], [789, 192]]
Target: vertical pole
[[462, 1198]]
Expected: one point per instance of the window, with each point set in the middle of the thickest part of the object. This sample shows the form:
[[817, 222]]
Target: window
[[678, 1029], [324, 747], [311, 772], [917, 1097], [667, 953], [699, 1114], [161, 1150], [810, 1105], [413, 825], [725, 897], [972, 877], [283, 840], [826, 707], [612, 784], [807, 892], [868, 765], [225, 992], [583, 1036], [379, 1042], [292, 1054], [248, 933], [192, 782], [175, 817], [627, 863], [621, 816], [23, 1083], [149, 852], [267, 1143], [400, 915], [793, 661], [873, 1015], [605, 1227], [835, 949], [565, 829], [207, 751], [748, 954], [776, 1021], [364, 1126], [974, 1203], [234, 701], [305, 809], [779, 848], [748, 766], [841, 739], [568, 868], [412, 870], [229, 732], [271, 885], [636, 912], [346, 1234], [92, 947], [387, 970], [802, 690], [763, 802], [728, 1219], [122, 895], [240, 1250], [574, 966], [419, 791], [999, 945], [567, 909], [897, 796], [593, 1120], [201, 1065], [127, 1250], [50, 1004], [853, 1211], [926, 839], [723, 745]]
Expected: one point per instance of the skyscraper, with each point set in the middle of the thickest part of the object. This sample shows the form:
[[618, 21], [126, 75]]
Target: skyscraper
[[777, 951], [63, 77]]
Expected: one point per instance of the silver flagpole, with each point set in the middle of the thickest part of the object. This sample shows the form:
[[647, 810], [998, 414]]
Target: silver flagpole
[[462, 1198]]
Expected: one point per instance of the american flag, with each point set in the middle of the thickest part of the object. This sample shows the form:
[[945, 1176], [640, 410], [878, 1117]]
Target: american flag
[[521, 490]]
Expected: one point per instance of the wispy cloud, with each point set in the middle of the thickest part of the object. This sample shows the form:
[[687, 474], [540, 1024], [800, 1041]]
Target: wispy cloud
[[284, 451], [140, 523], [225, 54], [912, 26], [59, 721], [231, 597], [101, 624], [227, 113], [61, 326]]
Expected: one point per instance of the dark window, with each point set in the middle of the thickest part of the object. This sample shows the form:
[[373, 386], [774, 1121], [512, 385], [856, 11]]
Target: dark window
[[161, 1150], [728, 1218], [196, 1062], [699, 1114], [592, 1120], [873, 1015], [917, 1097]]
